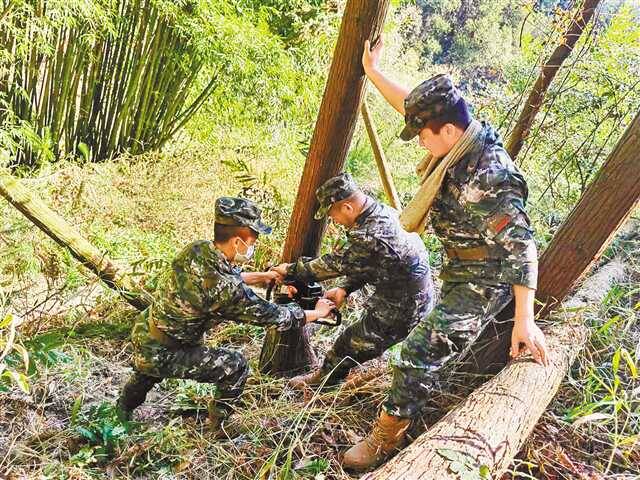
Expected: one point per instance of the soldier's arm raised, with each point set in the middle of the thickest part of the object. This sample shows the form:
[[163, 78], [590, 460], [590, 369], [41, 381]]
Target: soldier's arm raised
[[393, 92]]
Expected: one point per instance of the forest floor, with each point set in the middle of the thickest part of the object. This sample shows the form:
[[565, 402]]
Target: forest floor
[[77, 336]]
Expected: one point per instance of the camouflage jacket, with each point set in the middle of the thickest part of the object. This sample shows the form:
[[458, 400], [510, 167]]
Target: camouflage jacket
[[482, 204], [202, 289], [377, 252]]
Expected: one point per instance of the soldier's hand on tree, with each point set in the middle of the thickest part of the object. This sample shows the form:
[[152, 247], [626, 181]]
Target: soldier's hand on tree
[[527, 333], [371, 56], [273, 276], [336, 295], [261, 278]]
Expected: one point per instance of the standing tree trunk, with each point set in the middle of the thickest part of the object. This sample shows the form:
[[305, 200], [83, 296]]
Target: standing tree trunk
[[362, 20], [549, 71], [578, 244], [605, 205], [66, 236]]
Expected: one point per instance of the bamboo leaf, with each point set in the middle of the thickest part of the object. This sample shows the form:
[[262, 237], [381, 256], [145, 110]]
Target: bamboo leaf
[[75, 410], [85, 151], [24, 353], [6, 321], [20, 379]]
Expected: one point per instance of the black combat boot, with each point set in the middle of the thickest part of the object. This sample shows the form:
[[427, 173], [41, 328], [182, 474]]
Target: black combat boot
[[134, 393]]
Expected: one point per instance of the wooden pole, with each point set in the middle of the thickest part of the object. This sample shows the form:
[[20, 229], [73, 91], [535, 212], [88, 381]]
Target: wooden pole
[[362, 20], [549, 70], [381, 161], [576, 247], [66, 236]]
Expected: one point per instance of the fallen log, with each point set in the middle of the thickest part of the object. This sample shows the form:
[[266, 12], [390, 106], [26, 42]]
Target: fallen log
[[485, 432], [489, 428], [66, 236]]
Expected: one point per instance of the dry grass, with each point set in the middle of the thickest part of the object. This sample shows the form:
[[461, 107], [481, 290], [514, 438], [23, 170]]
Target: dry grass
[[145, 208]]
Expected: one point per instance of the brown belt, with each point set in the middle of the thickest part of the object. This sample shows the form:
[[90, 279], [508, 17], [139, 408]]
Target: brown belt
[[476, 253]]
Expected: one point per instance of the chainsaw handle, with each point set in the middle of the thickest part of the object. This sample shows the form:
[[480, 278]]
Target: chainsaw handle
[[338, 319]]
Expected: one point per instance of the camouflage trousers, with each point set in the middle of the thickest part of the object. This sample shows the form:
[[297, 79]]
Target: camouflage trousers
[[454, 323], [383, 324], [226, 368]]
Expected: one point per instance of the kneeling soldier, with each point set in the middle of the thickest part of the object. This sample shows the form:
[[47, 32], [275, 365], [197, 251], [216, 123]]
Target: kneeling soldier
[[378, 252], [204, 288]]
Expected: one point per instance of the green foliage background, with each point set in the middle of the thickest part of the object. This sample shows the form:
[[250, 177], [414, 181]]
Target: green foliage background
[[267, 61]]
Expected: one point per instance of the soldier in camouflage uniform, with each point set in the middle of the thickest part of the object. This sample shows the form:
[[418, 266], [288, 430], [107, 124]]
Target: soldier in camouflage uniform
[[203, 288], [378, 253], [478, 213]]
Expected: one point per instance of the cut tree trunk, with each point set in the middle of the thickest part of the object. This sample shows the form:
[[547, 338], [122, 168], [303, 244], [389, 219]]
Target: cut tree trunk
[[381, 161], [575, 248], [66, 236], [491, 425], [532, 106], [289, 352]]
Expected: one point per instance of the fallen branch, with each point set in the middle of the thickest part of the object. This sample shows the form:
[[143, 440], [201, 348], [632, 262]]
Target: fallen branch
[[66, 236]]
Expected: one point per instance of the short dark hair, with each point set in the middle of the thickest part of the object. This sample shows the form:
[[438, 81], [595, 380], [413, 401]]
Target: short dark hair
[[222, 233], [457, 115]]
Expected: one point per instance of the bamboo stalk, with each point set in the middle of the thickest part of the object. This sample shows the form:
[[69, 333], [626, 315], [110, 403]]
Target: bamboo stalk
[[123, 89]]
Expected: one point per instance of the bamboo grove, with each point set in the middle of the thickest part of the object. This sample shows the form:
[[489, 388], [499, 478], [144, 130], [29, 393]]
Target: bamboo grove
[[98, 77]]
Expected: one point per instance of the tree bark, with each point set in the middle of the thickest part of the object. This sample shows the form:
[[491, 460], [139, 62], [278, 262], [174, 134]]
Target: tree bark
[[576, 247], [381, 161], [362, 20], [604, 207], [66, 236], [531, 107]]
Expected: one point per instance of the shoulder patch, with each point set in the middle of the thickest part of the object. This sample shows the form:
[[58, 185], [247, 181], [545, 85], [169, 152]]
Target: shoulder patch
[[498, 222]]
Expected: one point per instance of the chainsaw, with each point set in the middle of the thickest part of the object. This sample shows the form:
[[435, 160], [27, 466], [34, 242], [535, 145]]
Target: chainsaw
[[306, 295]]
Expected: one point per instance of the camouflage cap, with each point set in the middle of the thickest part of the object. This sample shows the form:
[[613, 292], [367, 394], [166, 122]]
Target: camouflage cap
[[240, 212], [426, 102], [333, 190]]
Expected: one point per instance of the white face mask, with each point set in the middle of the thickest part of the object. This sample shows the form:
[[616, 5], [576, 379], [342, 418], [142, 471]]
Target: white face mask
[[246, 256]]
